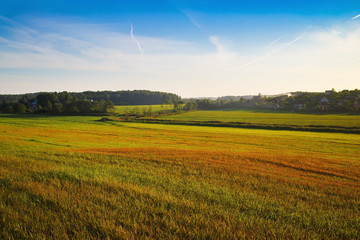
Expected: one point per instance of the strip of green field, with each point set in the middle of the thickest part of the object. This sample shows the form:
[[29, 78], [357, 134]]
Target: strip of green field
[[266, 120], [139, 109], [265, 117], [68, 177]]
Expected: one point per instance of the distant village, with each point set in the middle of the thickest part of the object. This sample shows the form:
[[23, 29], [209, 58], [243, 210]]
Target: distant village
[[328, 101]]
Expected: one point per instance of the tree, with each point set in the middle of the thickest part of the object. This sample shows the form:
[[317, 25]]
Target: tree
[[109, 107], [190, 106], [84, 106], [48, 107], [58, 108], [19, 108]]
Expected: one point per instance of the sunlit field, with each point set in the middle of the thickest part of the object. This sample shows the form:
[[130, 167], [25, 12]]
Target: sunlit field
[[66, 177], [270, 117], [141, 108]]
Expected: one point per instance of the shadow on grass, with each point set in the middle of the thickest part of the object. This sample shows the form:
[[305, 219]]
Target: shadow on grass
[[306, 128], [27, 116], [42, 116], [283, 112]]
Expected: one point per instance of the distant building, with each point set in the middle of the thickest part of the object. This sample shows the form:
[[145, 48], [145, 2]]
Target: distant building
[[324, 104], [324, 101], [329, 91], [279, 95], [298, 106]]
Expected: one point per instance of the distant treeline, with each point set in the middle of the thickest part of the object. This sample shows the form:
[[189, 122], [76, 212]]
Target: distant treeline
[[136, 97], [103, 102], [329, 101], [56, 103], [81, 103]]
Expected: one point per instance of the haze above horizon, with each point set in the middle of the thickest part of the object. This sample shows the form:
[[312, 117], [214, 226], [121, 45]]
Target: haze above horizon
[[193, 49]]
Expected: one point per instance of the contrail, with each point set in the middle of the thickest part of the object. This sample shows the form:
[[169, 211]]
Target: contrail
[[296, 39], [269, 54], [136, 41], [356, 16], [192, 20], [254, 61], [273, 51], [258, 59], [272, 43], [266, 55]]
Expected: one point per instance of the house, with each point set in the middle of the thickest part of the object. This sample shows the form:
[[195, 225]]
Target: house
[[324, 101], [298, 106], [324, 104]]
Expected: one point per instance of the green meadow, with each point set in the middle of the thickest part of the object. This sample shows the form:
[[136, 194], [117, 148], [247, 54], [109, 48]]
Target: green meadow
[[270, 117], [76, 177]]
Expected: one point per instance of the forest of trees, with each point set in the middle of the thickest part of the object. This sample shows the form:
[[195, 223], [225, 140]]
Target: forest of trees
[[135, 97], [56, 103], [81, 103]]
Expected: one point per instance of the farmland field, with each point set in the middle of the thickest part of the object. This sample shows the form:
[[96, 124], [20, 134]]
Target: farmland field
[[67, 177]]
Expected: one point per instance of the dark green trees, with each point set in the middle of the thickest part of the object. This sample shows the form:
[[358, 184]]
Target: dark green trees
[[57, 103], [68, 103]]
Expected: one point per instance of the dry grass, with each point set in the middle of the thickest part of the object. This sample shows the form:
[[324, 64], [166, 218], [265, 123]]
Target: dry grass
[[77, 178]]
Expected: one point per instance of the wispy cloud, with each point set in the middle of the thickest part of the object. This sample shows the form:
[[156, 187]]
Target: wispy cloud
[[357, 16], [81, 47], [136, 41], [222, 54], [23, 46], [349, 62], [219, 47], [87, 53], [17, 25]]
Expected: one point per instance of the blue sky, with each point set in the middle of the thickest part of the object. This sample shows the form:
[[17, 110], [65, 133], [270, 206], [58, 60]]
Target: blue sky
[[191, 48]]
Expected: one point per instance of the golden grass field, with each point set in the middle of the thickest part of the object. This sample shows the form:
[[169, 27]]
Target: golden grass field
[[67, 177]]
